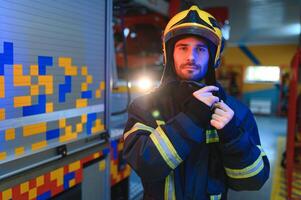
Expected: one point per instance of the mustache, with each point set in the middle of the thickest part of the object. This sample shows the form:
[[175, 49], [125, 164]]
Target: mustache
[[190, 64]]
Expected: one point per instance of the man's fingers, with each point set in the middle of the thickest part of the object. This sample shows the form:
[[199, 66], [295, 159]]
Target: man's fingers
[[219, 112], [216, 124], [209, 88], [217, 117], [221, 105], [214, 99]]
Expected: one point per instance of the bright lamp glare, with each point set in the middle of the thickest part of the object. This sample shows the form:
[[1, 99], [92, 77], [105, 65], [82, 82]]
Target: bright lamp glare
[[144, 83]]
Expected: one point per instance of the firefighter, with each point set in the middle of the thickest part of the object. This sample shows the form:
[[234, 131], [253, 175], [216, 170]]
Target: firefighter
[[188, 139]]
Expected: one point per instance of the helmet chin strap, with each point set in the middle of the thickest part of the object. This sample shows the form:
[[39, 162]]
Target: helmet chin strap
[[210, 76]]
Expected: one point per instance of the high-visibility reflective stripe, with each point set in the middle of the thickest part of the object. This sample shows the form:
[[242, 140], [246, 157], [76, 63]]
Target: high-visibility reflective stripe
[[162, 143], [211, 136], [160, 122], [162, 152], [138, 126], [169, 144], [249, 171], [165, 148], [216, 197], [169, 190], [261, 150]]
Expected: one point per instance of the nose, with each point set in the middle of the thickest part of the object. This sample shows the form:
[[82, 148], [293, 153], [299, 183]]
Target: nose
[[191, 55]]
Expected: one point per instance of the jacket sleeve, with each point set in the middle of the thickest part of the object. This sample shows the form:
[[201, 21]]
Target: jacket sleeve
[[246, 164], [154, 148]]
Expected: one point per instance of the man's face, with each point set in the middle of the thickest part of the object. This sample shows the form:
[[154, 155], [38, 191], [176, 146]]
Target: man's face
[[191, 57]]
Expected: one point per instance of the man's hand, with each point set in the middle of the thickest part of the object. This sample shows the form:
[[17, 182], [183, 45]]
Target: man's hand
[[222, 115], [205, 95]]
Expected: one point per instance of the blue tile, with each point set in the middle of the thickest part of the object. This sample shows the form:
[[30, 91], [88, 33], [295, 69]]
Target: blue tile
[[90, 119], [7, 57], [51, 134], [36, 109], [87, 94], [44, 61], [67, 178], [114, 146], [106, 151], [64, 89], [45, 195]]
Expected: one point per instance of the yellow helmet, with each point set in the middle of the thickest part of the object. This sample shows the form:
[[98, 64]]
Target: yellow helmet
[[194, 22]]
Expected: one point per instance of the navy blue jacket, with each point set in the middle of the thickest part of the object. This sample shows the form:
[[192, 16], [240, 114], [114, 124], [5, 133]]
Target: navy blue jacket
[[178, 155]]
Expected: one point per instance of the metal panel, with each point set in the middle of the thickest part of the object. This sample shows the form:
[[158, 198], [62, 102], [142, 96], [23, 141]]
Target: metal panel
[[95, 185], [53, 79]]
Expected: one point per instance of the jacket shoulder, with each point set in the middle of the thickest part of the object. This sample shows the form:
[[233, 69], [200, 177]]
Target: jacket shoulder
[[144, 102]]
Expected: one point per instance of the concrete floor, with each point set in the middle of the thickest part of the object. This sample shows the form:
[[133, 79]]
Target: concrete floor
[[269, 129]]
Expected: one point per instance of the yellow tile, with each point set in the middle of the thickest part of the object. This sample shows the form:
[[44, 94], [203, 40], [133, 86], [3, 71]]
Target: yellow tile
[[24, 187], [72, 183], [98, 94], [32, 194], [74, 166], [49, 107], [71, 70], [84, 86], [89, 79], [34, 70], [120, 146], [102, 165], [2, 87], [64, 61], [57, 175], [19, 151], [67, 137], [62, 123], [79, 128], [127, 171], [22, 81], [102, 85], [40, 181], [39, 145], [34, 90], [2, 114], [47, 82], [81, 103], [2, 155], [10, 134], [68, 134], [19, 78], [84, 71], [68, 129], [7, 194], [18, 70], [22, 101], [98, 126], [96, 155], [34, 129], [84, 118], [60, 180]]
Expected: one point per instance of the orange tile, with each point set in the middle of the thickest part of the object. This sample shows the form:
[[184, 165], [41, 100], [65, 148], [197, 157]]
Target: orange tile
[[22, 101], [34, 129]]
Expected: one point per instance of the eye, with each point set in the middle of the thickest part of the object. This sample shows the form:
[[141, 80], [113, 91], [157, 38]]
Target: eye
[[201, 49], [182, 48]]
